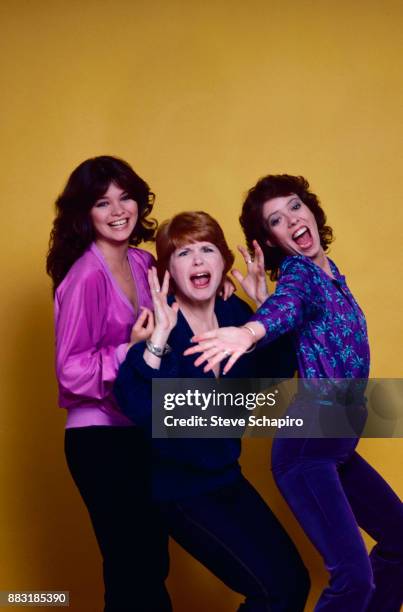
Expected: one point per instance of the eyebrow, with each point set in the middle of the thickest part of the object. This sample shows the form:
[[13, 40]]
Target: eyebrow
[[294, 197], [189, 246]]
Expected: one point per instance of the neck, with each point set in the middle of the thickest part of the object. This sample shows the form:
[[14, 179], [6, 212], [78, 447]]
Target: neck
[[322, 261], [115, 254], [200, 315]]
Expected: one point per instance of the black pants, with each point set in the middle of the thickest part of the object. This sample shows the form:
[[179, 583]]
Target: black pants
[[237, 537], [111, 467]]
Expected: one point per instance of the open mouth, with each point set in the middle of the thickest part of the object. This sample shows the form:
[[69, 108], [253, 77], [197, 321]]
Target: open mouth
[[200, 280], [303, 237], [119, 223]]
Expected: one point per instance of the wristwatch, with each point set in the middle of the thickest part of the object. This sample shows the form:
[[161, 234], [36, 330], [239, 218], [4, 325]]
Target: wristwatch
[[158, 351]]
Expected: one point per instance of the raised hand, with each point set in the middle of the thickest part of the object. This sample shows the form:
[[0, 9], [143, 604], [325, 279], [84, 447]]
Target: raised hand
[[255, 282], [165, 318], [165, 315]]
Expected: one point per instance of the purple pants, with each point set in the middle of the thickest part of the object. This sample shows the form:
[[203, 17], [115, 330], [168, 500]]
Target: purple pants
[[332, 491]]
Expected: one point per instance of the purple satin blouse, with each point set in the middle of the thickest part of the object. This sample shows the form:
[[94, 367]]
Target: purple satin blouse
[[93, 320]]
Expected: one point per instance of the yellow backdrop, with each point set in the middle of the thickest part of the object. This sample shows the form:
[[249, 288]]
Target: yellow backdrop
[[201, 98]]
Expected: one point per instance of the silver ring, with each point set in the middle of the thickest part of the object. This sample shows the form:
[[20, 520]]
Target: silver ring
[[227, 353], [248, 261], [156, 290]]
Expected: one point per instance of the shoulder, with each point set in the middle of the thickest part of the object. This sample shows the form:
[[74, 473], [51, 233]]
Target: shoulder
[[141, 257], [233, 311], [299, 271], [86, 274]]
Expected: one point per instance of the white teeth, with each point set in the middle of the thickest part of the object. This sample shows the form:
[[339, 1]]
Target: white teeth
[[118, 223], [203, 276], [299, 232]]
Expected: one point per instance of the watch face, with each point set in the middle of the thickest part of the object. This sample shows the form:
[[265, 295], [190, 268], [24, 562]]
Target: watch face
[[155, 350]]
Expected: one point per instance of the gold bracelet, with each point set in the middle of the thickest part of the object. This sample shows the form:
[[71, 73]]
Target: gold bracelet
[[251, 331]]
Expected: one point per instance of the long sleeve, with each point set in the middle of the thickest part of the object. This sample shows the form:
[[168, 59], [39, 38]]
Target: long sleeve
[[86, 361], [184, 466], [133, 394], [133, 384], [294, 301]]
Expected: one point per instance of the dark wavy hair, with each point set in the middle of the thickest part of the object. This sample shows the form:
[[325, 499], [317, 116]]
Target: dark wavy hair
[[185, 228], [255, 227], [73, 230]]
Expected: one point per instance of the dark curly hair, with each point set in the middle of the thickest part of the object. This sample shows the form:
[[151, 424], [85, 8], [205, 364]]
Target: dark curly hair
[[254, 225], [73, 230]]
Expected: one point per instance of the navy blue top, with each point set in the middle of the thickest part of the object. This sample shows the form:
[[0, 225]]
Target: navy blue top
[[187, 467]]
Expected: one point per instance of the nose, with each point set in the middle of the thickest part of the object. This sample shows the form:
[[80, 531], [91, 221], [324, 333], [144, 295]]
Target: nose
[[292, 220], [198, 259], [116, 208]]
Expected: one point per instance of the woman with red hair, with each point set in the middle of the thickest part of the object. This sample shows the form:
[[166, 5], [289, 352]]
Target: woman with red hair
[[203, 499]]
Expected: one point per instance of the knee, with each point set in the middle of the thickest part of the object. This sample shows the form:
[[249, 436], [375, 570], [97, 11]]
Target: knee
[[387, 561], [355, 578]]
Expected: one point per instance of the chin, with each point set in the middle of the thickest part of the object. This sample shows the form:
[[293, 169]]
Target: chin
[[202, 296]]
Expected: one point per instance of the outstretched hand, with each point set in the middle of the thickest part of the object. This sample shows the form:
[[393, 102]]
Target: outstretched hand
[[254, 283], [218, 344]]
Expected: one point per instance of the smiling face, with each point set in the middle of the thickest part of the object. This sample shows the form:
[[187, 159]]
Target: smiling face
[[197, 270], [292, 227], [114, 216]]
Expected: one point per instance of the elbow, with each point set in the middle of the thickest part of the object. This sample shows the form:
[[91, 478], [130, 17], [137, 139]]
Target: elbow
[[81, 383]]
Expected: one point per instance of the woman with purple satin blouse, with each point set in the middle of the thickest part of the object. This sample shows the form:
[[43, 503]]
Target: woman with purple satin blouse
[[102, 307], [330, 488]]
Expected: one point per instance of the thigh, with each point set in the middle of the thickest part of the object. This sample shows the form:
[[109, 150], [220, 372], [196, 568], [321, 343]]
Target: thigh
[[287, 452], [236, 536], [111, 468]]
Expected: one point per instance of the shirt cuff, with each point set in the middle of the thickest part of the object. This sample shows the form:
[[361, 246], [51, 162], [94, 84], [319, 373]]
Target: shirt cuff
[[168, 368], [121, 352]]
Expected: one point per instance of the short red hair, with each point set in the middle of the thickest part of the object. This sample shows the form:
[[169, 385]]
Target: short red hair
[[185, 228]]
